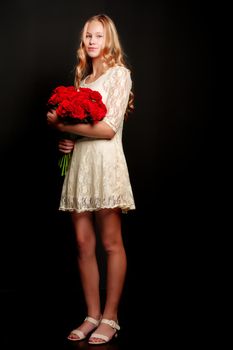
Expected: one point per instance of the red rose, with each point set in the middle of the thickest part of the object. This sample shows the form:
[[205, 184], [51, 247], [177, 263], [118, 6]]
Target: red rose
[[78, 106]]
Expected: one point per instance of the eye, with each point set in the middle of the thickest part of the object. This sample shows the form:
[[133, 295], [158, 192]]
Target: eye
[[99, 36]]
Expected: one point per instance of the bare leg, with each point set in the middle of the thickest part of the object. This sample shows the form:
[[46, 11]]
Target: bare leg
[[87, 263], [109, 222]]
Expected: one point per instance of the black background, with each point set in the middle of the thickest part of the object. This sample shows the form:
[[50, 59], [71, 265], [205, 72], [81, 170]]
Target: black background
[[168, 147]]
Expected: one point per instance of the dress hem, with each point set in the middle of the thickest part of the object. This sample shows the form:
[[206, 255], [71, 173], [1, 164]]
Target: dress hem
[[124, 209]]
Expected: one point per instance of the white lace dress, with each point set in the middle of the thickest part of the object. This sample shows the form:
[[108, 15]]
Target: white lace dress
[[98, 175]]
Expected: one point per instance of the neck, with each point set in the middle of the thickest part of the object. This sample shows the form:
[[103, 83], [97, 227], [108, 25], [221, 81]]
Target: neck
[[98, 67]]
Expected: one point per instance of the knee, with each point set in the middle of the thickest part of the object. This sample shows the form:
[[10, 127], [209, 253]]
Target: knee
[[112, 245], [85, 247]]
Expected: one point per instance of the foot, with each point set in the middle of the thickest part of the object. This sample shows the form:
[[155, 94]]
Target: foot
[[105, 332], [88, 326]]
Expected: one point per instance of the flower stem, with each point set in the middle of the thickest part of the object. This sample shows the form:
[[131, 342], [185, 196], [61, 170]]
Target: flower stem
[[63, 163]]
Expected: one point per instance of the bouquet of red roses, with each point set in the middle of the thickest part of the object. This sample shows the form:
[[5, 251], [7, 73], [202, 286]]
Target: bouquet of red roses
[[76, 106]]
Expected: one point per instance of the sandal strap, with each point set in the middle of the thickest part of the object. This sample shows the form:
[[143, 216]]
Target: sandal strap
[[79, 333], [92, 320], [99, 336], [111, 323]]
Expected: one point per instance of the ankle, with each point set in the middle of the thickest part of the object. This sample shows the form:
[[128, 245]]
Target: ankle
[[96, 316], [110, 316]]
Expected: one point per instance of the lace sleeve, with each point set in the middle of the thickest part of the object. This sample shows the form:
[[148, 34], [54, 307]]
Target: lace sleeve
[[118, 86]]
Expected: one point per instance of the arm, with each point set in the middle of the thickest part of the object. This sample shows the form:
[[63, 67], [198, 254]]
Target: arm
[[118, 89], [99, 130]]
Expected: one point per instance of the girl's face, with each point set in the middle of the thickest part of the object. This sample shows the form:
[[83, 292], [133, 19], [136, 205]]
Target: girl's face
[[94, 39]]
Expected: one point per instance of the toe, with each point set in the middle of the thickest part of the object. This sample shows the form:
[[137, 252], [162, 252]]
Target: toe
[[95, 340], [73, 336]]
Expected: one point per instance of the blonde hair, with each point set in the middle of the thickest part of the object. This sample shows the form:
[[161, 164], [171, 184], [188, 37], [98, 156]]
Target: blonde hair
[[112, 53]]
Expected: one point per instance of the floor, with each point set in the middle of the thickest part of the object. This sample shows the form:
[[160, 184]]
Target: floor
[[158, 318], [39, 321], [41, 299]]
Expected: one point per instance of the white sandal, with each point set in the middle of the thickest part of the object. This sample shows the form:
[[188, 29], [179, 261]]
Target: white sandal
[[79, 333], [104, 338]]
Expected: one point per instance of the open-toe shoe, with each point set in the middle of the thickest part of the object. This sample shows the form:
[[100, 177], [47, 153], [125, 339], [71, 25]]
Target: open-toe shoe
[[101, 338], [80, 334]]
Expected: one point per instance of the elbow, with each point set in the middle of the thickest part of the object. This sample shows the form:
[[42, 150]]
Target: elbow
[[110, 134], [108, 131]]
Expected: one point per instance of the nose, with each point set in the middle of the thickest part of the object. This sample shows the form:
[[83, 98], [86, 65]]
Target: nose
[[91, 41]]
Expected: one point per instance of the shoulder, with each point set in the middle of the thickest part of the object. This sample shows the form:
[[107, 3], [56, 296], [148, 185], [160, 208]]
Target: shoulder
[[119, 71]]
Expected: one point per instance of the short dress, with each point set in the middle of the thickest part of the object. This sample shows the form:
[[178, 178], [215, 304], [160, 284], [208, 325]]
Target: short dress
[[98, 176]]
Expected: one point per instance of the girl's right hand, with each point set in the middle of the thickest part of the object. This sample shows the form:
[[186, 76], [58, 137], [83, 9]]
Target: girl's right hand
[[65, 145]]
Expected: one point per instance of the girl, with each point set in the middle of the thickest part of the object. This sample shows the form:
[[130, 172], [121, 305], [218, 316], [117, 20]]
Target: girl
[[96, 188]]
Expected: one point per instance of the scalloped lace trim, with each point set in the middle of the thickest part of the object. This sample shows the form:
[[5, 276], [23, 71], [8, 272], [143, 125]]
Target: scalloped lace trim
[[91, 204]]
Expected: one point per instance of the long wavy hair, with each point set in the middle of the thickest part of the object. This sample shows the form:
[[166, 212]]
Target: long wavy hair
[[112, 54]]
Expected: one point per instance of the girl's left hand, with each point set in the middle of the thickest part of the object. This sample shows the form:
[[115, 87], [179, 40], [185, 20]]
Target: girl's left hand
[[52, 118]]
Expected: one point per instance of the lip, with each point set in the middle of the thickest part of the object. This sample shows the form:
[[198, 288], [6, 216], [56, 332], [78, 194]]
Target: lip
[[92, 48]]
